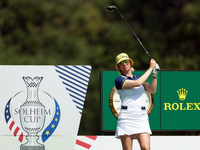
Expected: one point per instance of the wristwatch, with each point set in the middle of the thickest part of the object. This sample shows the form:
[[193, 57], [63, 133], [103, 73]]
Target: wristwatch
[[115, 102]]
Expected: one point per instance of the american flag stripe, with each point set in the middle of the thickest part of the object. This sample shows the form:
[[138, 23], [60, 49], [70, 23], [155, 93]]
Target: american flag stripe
[[13, 128], [84, 142], [92, 137], [16, 131], [11, 125], [21, 137]]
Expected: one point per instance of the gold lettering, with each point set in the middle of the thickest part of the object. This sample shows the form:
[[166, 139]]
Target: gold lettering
[[167, 105], [177, 106], [196, 106], [181, 107], [189, 106]]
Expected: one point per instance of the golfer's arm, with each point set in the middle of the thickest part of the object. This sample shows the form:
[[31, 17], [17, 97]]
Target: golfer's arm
[[134, 83], [151, 88]]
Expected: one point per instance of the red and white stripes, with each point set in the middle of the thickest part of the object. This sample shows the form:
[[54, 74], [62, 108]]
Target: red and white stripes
[[84, 142], [16, 131]]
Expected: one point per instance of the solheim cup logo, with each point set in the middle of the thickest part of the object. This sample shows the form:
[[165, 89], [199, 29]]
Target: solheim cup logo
[[27, 110], [33, 120]]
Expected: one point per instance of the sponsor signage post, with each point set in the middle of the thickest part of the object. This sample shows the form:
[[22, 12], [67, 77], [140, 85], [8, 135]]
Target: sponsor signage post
[[41, 106], [180, 99], [176, 104]]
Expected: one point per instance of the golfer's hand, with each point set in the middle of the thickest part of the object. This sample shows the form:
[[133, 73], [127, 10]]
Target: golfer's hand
[[152, 63]]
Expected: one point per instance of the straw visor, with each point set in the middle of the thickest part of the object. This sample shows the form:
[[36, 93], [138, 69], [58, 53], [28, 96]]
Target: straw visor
[[122, 57]]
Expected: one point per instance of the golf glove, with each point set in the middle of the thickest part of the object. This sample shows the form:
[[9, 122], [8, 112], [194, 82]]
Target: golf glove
[[156, 69]]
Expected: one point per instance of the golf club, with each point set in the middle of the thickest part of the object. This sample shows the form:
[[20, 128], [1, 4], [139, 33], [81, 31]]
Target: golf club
[[111, 9]]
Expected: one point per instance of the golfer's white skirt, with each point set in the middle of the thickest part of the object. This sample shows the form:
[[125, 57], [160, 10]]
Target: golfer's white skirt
[[132, 122]]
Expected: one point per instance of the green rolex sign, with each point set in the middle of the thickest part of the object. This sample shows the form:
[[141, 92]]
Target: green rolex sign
[[180, 100], [176, 103]]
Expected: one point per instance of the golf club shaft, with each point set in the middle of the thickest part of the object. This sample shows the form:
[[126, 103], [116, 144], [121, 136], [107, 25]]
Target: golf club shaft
[[133, 33]]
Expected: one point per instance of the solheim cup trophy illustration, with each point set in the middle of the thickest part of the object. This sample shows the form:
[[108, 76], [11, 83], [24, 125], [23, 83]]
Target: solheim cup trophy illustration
[[32, 115]]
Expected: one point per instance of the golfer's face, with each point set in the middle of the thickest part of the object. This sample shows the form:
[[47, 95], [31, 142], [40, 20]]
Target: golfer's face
[[124, 65]]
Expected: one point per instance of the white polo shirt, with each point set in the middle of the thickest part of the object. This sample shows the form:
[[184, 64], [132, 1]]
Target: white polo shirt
[[133, 98]]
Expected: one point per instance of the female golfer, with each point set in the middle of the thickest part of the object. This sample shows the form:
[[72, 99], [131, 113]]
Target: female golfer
[[133, 118]]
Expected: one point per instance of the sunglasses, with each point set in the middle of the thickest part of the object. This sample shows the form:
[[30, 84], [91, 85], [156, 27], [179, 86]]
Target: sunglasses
[[122, 62]]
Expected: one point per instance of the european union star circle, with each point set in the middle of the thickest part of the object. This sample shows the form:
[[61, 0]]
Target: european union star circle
[[53, 125]]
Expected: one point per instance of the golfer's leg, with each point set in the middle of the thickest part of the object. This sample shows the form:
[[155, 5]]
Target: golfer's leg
[[127, 142], [144, 141]]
